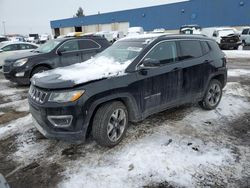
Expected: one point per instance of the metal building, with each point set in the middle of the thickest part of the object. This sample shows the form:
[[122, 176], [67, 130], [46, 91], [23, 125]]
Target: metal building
[[206, 13]]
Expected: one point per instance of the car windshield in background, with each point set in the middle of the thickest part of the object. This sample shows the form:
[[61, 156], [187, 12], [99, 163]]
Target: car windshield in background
[[1, 45], [226, 32], [48, 46], [123, 51]]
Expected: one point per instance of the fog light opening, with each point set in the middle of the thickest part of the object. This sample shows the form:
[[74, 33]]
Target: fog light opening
[[61, 121], [20, 74]]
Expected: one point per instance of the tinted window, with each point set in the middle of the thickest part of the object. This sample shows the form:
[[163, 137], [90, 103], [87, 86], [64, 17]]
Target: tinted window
[[190, 49], [245, 31], [26, 46], [69, 46], [11, 47], [165, 52], [205, 47], [88, 44]]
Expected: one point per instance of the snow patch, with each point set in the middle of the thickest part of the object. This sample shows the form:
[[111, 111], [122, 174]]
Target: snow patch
[[236, 54], [93, 69], [28, 148], [238, 89], [238, 72], [17, 126], [154, 159], [21, 105]]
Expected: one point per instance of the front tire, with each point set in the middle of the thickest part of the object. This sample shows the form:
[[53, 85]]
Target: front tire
[[212, 96], [110, 124]]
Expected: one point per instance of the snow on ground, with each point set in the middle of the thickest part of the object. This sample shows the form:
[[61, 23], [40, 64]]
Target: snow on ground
[[154, 159], [238, 72], [92, 69], [20, 125], [235, 54]]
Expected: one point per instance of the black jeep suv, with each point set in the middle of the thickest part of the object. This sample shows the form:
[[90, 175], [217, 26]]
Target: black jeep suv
[[55, 53], [132, 79]]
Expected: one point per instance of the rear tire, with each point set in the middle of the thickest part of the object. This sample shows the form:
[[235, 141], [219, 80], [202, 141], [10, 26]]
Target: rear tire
[[212, 96], [110, 124], [39, 70]]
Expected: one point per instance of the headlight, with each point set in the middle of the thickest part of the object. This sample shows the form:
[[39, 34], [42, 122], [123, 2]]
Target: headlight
[[20, 62], [66, 96]]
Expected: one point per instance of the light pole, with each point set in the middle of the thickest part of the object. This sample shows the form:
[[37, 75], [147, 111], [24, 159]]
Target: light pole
[[4, 31]]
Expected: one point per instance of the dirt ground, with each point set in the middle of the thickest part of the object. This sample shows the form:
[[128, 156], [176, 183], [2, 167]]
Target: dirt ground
[[27, 159]]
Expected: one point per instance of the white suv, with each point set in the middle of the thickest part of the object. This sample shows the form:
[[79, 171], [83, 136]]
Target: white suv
[[245, 36]]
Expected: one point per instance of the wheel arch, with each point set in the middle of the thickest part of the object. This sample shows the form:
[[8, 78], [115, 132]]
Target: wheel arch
[[40, 65], [126, 99]]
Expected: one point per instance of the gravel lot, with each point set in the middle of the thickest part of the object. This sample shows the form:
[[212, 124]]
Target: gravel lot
[[182, 147]]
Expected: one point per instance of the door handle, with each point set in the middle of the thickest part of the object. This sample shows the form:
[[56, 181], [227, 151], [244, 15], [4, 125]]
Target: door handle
[[207, 61], [175, 69]]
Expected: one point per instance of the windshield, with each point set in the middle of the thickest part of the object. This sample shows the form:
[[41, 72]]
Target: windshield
[[226, 32], [47, 47], [123, 51]]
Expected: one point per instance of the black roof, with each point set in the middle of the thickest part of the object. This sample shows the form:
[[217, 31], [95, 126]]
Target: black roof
[[167, 36]]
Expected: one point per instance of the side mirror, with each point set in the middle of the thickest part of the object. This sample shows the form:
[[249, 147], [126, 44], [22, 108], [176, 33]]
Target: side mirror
[[59, 52], [151, 63]]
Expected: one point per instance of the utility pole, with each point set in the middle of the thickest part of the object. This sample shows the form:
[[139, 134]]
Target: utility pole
[[4, 31]]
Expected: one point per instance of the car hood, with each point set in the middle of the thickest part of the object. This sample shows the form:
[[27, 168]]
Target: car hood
[[80, 73], [230, 36], [22, 55]]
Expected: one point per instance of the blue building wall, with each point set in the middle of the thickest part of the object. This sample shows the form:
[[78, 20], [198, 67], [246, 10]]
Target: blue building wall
[[206, 13]]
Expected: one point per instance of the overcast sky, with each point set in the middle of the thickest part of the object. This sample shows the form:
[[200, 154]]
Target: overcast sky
[[34, 16]]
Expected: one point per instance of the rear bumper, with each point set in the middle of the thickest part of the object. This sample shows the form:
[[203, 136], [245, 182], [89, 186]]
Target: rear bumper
[[229, 45]]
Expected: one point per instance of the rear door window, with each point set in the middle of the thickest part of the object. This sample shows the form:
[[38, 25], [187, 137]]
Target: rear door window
[[69, 46], [88, 44], [11, 47], [245, 31], [190, 49], [165, 52], [205, 47], [26, 46]]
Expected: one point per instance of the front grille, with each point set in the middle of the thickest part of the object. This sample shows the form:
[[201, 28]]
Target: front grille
[[37, 95], [6, 68]]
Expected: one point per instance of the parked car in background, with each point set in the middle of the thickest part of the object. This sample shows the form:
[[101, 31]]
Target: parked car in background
[[245, 36], [7, 49], [117, 35], [54, 53], [226, 37], [106, 34], [159, 30], [132, 79], [34, 38], [190, 29], [132, 31], [3, 38], [74, 34], [16, 46], [17, 38], [44, 38]]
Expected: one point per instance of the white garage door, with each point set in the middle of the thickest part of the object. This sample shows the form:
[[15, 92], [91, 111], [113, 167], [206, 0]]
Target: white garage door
[[106, 27], [90, 28], [123, 26]]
